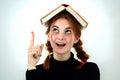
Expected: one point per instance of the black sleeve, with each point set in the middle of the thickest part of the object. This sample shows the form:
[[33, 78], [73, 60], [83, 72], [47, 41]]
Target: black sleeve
[[92, 71], [31, 74], [35, 74]]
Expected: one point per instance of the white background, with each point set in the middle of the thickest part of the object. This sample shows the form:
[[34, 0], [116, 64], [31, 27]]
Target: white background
[[19, 17]]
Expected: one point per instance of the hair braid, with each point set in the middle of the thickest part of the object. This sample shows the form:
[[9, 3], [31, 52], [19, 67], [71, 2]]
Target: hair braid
[[81, 54], [49, 47], [46, 64]]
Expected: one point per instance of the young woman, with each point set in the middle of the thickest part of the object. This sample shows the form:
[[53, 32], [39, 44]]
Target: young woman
[[64, 33]]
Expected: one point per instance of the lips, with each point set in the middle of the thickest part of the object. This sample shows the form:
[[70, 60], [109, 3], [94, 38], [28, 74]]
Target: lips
[[60, 44]]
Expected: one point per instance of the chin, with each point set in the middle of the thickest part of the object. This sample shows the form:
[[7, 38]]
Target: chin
[[61, 52]]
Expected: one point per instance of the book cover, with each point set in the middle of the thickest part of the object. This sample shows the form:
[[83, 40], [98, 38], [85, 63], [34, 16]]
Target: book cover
[[60, 8]]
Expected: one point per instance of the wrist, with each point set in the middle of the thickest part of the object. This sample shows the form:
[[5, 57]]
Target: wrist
[[30, 67]]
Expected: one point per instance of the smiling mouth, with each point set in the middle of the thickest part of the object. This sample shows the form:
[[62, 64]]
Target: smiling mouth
[[60, 44]]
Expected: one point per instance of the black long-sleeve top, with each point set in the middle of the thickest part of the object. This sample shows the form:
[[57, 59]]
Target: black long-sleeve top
[[65, 70]]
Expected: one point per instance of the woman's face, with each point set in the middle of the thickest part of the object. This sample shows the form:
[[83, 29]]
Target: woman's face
[[61, 36]]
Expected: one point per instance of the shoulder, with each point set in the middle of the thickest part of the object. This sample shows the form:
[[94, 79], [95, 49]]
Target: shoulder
[[92, 70], [91, 66]]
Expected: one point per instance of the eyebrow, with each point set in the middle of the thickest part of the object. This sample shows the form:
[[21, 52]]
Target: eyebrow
[[55, 26], [68, 28]]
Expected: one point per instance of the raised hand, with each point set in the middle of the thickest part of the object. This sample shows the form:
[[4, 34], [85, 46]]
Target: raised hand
[[34, 53]]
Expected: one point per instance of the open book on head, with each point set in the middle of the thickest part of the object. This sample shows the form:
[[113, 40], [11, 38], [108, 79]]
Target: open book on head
[[60, 8]]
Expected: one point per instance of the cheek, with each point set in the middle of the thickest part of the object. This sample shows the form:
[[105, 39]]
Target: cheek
[[51, 38], [71, 40]]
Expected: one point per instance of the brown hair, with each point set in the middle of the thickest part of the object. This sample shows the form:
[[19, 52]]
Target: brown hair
[[76, 26]]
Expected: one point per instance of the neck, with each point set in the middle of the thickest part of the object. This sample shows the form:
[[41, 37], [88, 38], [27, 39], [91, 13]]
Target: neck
[[61, 56]]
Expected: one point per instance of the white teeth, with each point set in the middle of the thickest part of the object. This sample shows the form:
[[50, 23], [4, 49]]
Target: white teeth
[[60, 43]]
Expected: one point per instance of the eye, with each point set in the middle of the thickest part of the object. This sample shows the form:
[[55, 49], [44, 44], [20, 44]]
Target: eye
[[68, 31], [55, 30]]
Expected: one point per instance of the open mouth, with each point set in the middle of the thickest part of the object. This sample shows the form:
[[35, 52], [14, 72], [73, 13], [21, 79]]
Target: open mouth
[[59, 44]]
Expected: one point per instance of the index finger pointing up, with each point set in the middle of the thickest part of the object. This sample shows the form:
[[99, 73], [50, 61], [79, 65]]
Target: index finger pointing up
[[32, 39]]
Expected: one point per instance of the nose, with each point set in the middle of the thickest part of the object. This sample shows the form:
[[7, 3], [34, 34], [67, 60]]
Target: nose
[[61, 36]]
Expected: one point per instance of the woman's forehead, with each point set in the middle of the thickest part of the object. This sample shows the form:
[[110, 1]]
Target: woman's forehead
[[57, 27], [61, 23]]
